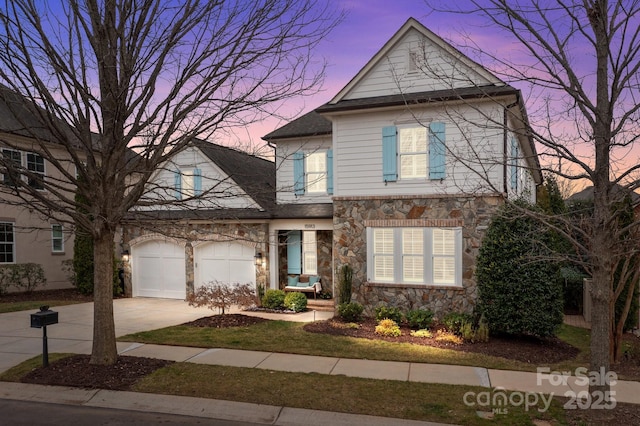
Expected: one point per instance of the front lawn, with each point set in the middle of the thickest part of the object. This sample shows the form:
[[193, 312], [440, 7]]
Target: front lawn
[[290, 337]]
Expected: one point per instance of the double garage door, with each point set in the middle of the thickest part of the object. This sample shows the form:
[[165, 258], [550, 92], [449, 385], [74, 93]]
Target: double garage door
[[159, 270]]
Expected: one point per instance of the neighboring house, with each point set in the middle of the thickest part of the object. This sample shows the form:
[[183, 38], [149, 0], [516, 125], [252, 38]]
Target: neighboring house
[[413, 156], [27, 236]]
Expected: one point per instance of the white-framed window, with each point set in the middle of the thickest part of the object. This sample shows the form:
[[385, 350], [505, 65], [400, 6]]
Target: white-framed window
[[316, 172], [35, 165], [412, 152], [415, 255], [57, 239], [7, 243], [309, 253], [15, 157], [187, 183]]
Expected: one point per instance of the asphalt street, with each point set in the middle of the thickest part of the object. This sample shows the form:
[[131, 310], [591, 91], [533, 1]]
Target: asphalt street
[[32, 413]]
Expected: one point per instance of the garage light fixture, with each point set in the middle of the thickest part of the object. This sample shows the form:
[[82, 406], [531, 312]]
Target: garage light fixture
[[125, 256], [259, 259]]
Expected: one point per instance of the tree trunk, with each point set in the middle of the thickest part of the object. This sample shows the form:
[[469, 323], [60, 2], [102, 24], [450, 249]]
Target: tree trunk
[[600, 329], [104, 351]]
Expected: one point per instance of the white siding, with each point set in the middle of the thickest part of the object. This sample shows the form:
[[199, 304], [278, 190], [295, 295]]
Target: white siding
[[224, 192], [438, 70], [284, 169], [474, 152]]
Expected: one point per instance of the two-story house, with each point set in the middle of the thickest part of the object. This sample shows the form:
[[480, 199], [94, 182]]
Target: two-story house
[[397, 176], [26, 234], [414, 155]]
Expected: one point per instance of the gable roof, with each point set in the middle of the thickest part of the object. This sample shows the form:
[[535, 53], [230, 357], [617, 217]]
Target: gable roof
[[254, 175], [410, 25], [618, 191]]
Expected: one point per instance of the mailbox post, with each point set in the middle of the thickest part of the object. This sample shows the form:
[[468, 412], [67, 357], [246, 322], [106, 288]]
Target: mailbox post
[[41, 320]]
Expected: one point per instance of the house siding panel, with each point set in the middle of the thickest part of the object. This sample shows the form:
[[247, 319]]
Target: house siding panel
[[358, 149], [390, 75], [285, 174]]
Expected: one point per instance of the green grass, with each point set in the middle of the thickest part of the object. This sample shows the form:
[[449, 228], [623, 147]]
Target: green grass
[[289, 337], [33, 305], [387, 398]]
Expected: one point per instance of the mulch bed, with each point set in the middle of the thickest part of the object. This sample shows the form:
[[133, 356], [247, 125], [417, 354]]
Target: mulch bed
[[529, 350], [75, 371]]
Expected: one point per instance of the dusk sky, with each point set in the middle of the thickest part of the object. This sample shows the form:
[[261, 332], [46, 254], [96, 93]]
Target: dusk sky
[[368, 25]]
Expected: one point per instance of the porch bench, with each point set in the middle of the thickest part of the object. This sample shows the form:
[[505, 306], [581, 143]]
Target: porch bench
[[311, 284]]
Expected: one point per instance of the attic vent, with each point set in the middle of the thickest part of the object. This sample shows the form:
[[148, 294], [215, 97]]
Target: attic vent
[[413, 61]]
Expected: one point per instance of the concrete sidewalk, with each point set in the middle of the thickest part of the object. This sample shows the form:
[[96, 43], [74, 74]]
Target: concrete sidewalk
[[19, 342]]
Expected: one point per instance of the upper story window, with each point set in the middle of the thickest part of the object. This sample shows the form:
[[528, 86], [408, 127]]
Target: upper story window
[[57, 239], [11, 156], [187, 183], [35, 165], [413, 65], [415, 255], [414, 152], [316, 172], [313, 172], [7, 243]]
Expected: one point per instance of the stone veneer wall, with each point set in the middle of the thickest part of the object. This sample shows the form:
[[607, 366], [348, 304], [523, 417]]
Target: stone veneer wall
[[255, 235], [351, 216]]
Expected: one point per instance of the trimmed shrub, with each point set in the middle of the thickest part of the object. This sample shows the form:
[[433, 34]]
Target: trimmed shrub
[[388, 327], [273, 299], [295, 301], [455, 321], [351, 312], [425, 334], [518, 285], [24, 276], [448, 337], [389, 312], [344, 284], [419, 318]]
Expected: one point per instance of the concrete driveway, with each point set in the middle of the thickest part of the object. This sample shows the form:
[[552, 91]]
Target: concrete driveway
[[74, 332]]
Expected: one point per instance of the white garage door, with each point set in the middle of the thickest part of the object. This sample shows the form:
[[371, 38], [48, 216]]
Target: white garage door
[[158, 270], [224, 262]]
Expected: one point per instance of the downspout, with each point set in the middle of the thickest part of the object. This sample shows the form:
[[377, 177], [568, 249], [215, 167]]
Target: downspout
[[505, 142]]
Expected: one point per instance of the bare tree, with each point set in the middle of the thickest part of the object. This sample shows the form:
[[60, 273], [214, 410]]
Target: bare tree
[[580, 62], [121, 86]]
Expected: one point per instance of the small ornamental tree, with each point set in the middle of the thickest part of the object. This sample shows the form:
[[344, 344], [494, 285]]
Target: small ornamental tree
[[519, 292]]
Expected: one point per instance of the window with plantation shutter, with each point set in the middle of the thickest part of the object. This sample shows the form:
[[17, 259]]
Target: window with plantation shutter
[[444, 256], [415, 255], [413, 152], [383, 254]]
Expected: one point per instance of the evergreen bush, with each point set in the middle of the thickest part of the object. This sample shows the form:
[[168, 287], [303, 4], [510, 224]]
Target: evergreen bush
[[518, 285], [351, 312], [295, 301], [273, 299]]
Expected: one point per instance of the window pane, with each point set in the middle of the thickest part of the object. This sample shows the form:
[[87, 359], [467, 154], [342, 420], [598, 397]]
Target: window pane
[[57, 242], [383, 254], [444, 270], [412, 255], [316, 172], [187, 185], [6, 243], [309, 252], [444, 242]]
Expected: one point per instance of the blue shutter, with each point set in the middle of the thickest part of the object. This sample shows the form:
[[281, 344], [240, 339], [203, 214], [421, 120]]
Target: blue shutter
[[298, 173], [197, 182], [514, 164], [294, 252], [389, 154], [177, 183], [330, 171], [437, 151]]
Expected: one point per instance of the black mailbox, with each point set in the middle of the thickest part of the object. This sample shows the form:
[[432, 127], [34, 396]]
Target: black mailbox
[[44, 318]]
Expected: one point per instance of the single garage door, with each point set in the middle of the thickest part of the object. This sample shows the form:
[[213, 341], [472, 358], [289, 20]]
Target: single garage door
[[158, 270], [224, 262]]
